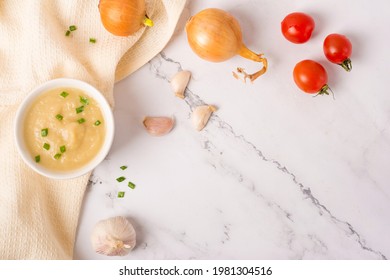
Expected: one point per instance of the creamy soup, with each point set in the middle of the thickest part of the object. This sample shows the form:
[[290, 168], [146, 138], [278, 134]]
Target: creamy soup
[[64, 129]]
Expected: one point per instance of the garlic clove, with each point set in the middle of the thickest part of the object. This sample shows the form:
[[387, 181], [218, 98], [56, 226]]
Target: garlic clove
[[158, 126], [179, 82], [201, 115], [113, 237]]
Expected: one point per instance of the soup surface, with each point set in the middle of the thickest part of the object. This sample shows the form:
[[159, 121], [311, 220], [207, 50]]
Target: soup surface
[[64, 129]]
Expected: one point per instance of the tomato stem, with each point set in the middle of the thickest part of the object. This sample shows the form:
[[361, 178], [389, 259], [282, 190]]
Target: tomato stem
[[325, 91], [347, 65]]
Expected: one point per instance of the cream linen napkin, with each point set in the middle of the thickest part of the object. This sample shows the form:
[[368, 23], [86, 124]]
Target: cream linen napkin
[[39, 216]]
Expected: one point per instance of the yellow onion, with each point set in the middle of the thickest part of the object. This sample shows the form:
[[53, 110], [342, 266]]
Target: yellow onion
[[123, 17], [215, 35]]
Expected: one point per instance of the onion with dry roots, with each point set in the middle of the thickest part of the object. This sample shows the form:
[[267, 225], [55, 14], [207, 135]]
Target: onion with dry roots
[[215, 35], [123, 17]]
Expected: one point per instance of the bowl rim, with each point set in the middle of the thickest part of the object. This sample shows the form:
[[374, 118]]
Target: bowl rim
[[57, 83]]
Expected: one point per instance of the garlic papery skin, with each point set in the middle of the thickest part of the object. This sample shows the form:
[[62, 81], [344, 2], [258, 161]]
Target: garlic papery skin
[[201, 115], [158, 126], [113, 237], [179, 83]]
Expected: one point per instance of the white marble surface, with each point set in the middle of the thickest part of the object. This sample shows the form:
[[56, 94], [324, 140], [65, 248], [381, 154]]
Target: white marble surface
[[276, 174]]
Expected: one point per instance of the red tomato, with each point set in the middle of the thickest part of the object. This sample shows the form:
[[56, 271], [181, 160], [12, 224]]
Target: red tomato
[[297, 27], [311, 77], [338, 49]]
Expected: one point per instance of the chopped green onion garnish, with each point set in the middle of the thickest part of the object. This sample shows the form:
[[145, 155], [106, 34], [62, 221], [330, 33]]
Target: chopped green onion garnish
[[79, 109], [44, 132], [64, 94], [37, 158], [97, 123], [92, 40], [123, 167], [46, 146], [121, 194], [67, 33], [131, 185], [59, 117], [57, 156], [72, 27], [120, 179], [82, 120], [63, 149], [84, 100]]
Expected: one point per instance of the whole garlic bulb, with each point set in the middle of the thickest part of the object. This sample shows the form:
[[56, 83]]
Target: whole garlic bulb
[[113, 237]]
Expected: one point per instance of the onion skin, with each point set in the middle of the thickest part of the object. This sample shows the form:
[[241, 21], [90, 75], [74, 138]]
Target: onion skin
[[215, 35], [213, 40], [121, 17]]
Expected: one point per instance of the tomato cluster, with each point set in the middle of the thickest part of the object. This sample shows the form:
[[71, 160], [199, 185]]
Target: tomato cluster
[[309, 75]]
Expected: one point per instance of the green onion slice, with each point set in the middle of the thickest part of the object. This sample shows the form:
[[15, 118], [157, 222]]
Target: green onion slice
[[121, 194], [97, 123], [46, 146], [44, 132], [79, 109], [72, 27], [120, 179], [67, 33], [57, 156], [64, 94], [63, 149], [37, 158], [84, 100], [123, 167], [131, 185], [92, 40], [59, 117], [82, 120]]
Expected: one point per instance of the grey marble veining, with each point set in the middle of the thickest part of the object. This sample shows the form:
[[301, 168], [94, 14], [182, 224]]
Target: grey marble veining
[[192, 100]]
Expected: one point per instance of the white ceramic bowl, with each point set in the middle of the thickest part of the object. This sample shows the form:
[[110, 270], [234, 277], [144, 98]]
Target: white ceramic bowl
[[20, 119]]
